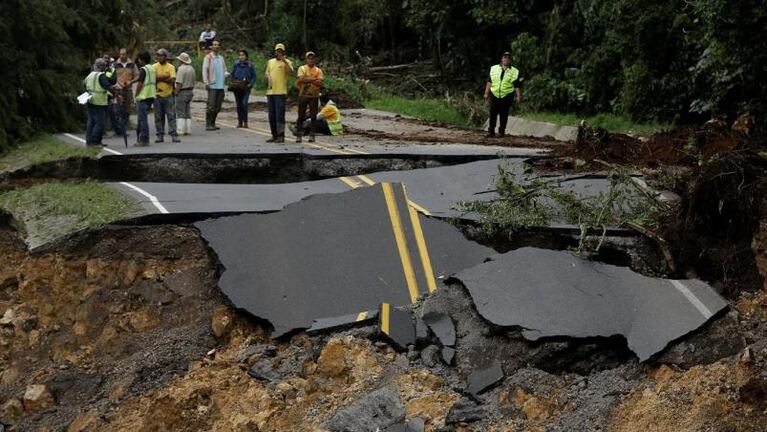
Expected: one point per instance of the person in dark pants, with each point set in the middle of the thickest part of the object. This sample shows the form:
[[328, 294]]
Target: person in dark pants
[[502, 89], [278, 70], [309, 84], [97, 84], [213, 75], [146, 91], [243, 78]]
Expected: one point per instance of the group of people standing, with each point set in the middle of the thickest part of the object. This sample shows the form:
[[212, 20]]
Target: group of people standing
[[168, 91]]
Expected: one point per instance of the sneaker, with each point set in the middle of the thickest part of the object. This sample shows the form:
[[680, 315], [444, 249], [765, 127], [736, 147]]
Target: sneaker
[[280, 140], [141, 144], [176, 139], [210, 128], [490, 135], [311, 138], [271, 140]]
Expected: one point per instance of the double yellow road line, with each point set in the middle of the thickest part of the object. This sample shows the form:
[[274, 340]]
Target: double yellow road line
[[400, 237]]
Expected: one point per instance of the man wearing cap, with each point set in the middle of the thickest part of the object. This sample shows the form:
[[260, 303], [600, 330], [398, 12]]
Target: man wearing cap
[[97, 84], [278, 70], [165, 102], [213, 75], [309, 84], [185, 78], [502, 88]]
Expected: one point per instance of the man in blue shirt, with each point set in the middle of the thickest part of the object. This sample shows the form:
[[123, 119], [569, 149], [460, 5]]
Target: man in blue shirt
[[213, 75]]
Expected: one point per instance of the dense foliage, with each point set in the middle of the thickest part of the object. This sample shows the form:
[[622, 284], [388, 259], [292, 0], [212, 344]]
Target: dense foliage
[[52, 44], [650, 60]]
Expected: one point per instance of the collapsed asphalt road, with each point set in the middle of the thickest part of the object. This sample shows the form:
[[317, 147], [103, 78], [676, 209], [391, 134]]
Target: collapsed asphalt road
[[556, 294], [332, 259], [335, 255]]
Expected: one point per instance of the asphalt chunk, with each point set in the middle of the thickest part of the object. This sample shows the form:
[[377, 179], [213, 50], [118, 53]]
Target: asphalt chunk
[[442, 326], [379, 409], [397, 325], [483, 379], [549, 293]]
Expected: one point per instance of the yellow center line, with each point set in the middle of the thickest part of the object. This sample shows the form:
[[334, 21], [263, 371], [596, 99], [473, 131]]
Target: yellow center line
[[421, 242], [318, 145], [385, 317], [361, 316], [399, 237], [352, 184], [366, 179]]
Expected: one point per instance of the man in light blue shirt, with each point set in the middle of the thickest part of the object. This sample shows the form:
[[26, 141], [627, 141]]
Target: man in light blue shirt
[[213, 75]]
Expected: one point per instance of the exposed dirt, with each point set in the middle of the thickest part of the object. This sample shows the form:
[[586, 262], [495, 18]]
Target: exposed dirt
[[126, 329], [457, 136]]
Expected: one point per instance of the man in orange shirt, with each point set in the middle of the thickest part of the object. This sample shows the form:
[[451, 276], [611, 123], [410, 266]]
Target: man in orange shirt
[[309, 85]]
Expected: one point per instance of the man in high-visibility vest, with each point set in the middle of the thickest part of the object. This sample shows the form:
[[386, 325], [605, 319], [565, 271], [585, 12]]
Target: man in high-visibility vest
[[328, 119], [97, 85], [502, 88], [146, 91]]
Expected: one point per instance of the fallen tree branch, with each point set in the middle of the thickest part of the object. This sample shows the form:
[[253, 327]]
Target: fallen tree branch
[[662, 243]]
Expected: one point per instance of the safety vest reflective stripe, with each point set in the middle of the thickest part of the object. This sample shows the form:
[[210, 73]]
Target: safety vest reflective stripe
[[98, 93], [501, 88], [149, 89], [335, 126]]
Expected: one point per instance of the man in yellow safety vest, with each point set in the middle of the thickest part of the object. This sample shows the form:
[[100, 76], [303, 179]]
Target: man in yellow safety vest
[[502, 88], [328, 119], [146, 91], [97, 84]]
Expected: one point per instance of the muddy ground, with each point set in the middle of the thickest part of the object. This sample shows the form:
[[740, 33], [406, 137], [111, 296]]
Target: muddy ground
[[124, 328]]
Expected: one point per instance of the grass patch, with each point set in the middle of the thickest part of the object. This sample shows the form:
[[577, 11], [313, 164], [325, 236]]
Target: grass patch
[[90, 203], [611, 122], [433, 110], [45, 148]]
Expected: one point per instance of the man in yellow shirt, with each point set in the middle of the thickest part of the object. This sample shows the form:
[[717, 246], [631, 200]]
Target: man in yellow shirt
[[309, 85], [165, 102], [278, 70]]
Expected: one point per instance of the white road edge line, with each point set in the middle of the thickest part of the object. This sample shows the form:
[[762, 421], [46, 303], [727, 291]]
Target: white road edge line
[[153, 199], [702, 308], [106, 149]]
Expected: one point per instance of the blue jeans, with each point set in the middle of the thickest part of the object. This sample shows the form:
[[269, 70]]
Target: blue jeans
[[277, 115], [94, 128], [241, 98], [165, 107], [142, 112]]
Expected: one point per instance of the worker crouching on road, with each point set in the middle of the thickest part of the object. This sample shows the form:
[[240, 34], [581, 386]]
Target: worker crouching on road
[[185, 77], [328, 119], [502, 88], [146, 91], [309, 85], [97, 84]]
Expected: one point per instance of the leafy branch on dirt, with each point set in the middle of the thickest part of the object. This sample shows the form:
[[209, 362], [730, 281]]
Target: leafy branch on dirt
[[534, 202]]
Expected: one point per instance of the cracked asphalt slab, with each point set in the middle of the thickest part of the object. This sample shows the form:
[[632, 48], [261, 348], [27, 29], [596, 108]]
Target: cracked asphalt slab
[[335, 256], [549, 294], [437, 191]]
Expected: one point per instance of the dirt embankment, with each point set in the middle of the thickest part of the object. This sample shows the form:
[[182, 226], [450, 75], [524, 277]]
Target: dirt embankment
[[124, 329]]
